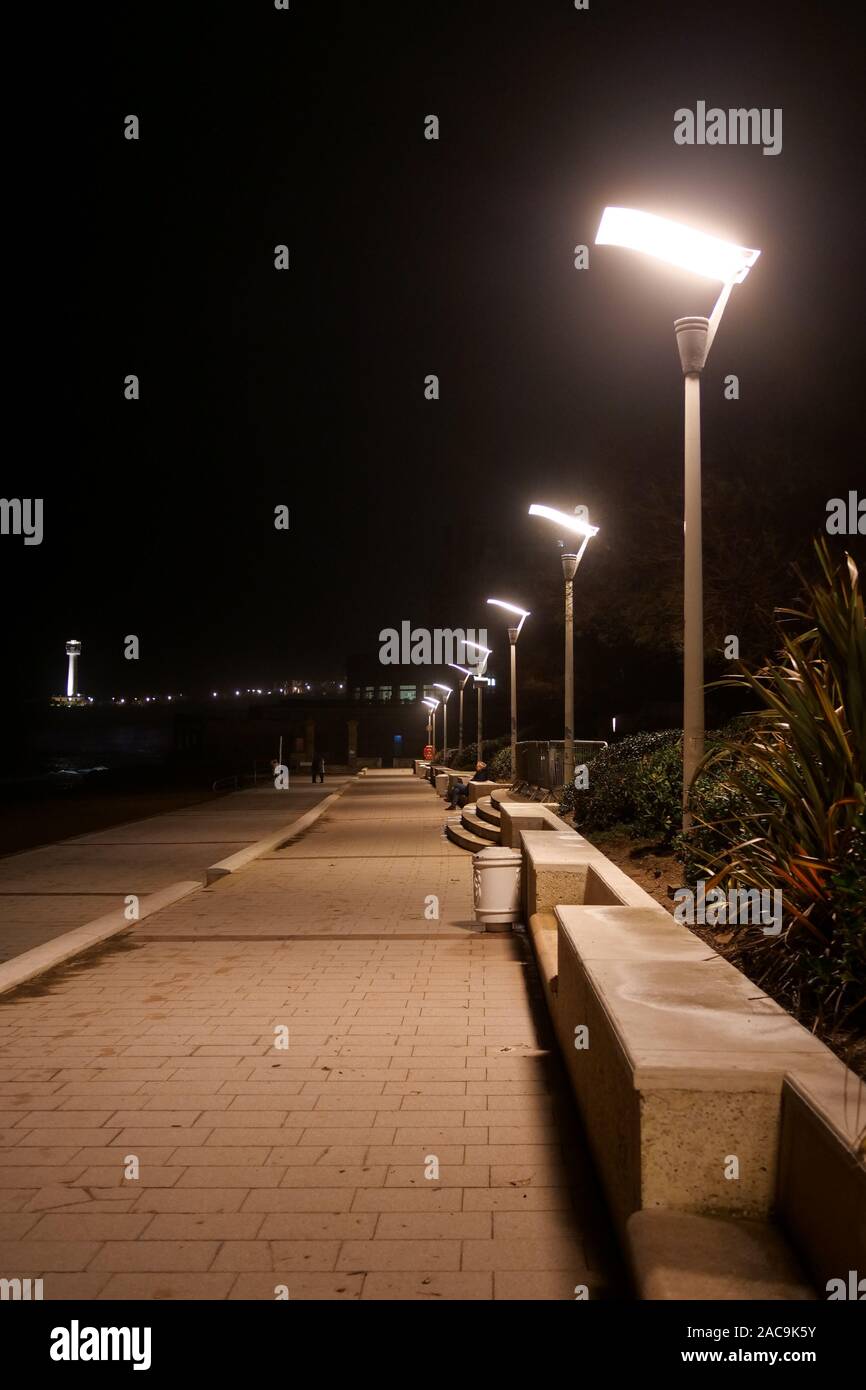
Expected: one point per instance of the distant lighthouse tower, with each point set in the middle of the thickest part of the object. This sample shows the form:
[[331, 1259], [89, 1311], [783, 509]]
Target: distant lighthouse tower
[[73, 651]]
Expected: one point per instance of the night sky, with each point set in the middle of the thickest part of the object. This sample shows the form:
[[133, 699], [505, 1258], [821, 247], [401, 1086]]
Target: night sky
[[408, 257]]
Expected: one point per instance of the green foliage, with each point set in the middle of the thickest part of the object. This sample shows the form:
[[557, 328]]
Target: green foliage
[[624, 786], [500, 765], [796, 776], [470, 753]]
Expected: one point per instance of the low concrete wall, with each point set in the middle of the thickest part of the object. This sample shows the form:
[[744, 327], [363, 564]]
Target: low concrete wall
[[562, 867], [699, 1094], [822, 1176], [517, 816]]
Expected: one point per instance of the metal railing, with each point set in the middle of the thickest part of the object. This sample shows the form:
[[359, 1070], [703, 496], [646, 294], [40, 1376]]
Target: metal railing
[[541, 762]]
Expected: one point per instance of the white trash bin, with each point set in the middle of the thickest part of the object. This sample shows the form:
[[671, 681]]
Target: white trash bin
[[496, 886]]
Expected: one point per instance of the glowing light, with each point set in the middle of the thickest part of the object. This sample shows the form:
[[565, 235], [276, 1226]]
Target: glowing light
[[678, 245], [570, 523]]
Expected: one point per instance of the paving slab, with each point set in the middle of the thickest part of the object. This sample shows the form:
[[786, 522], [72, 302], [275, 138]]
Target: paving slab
[[47, 891], [321, 1088]]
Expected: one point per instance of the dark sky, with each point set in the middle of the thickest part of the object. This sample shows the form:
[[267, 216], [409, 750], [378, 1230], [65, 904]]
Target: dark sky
[[407, 257]]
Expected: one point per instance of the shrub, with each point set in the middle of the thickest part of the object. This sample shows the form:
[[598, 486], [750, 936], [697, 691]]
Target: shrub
[[470, 754], [615, 794], [796, 777], [500, 765]]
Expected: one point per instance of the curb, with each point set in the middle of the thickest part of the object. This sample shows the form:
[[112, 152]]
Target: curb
[[31, 963], [24, 967], [233, 862]]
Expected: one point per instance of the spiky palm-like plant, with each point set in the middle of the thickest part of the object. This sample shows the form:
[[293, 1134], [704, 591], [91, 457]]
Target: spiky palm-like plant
[[796, 778]]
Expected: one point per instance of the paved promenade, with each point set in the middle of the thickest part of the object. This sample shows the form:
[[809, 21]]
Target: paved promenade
[[51, 890], [414, 1139]]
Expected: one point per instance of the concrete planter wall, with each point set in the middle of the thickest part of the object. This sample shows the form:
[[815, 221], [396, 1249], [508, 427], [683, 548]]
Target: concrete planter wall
[[701, 1097]]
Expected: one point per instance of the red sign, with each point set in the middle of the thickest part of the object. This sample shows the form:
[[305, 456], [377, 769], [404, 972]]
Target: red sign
[[428, 753]]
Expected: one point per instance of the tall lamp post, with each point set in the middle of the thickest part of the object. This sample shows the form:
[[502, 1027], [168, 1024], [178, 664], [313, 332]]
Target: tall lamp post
[[577, 525], [432, 705], [480, 682], [467, 676], [513, 634], [447, 692], [728, 263]]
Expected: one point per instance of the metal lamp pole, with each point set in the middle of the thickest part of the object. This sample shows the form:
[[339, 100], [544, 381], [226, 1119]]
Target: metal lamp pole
[[513, 634], [480, 679], [569, 569], [467, 676], [692, 342], [729, 264], [447, 692], [579, 524]]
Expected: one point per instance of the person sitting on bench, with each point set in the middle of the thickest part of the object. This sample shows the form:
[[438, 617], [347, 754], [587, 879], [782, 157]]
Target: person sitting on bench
[[458, 793]]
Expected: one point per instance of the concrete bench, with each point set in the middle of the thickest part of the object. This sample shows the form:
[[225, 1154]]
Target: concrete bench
[[518, 816], [543, 931], [563, 867], [451, 776], [479, 789], [675, 1255], [703, 1100], [682, 1077], [821, 1196]]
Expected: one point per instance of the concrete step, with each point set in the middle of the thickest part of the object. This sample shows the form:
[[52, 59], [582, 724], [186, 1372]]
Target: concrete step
[[486, 811], [459, 835], [481, 828]]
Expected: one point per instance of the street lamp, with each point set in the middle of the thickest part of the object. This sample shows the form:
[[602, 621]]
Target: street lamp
[[728, 263], [432, 705], [513, 634], [480, 682], [578, 525], [467, 675], [447, 692]]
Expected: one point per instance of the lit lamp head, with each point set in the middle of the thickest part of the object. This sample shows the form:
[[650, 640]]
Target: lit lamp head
[[687, 249], [466, 674], [446, 689], [482, 659], [521, 613], [576, 524], [73, 648], [676, 244]]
